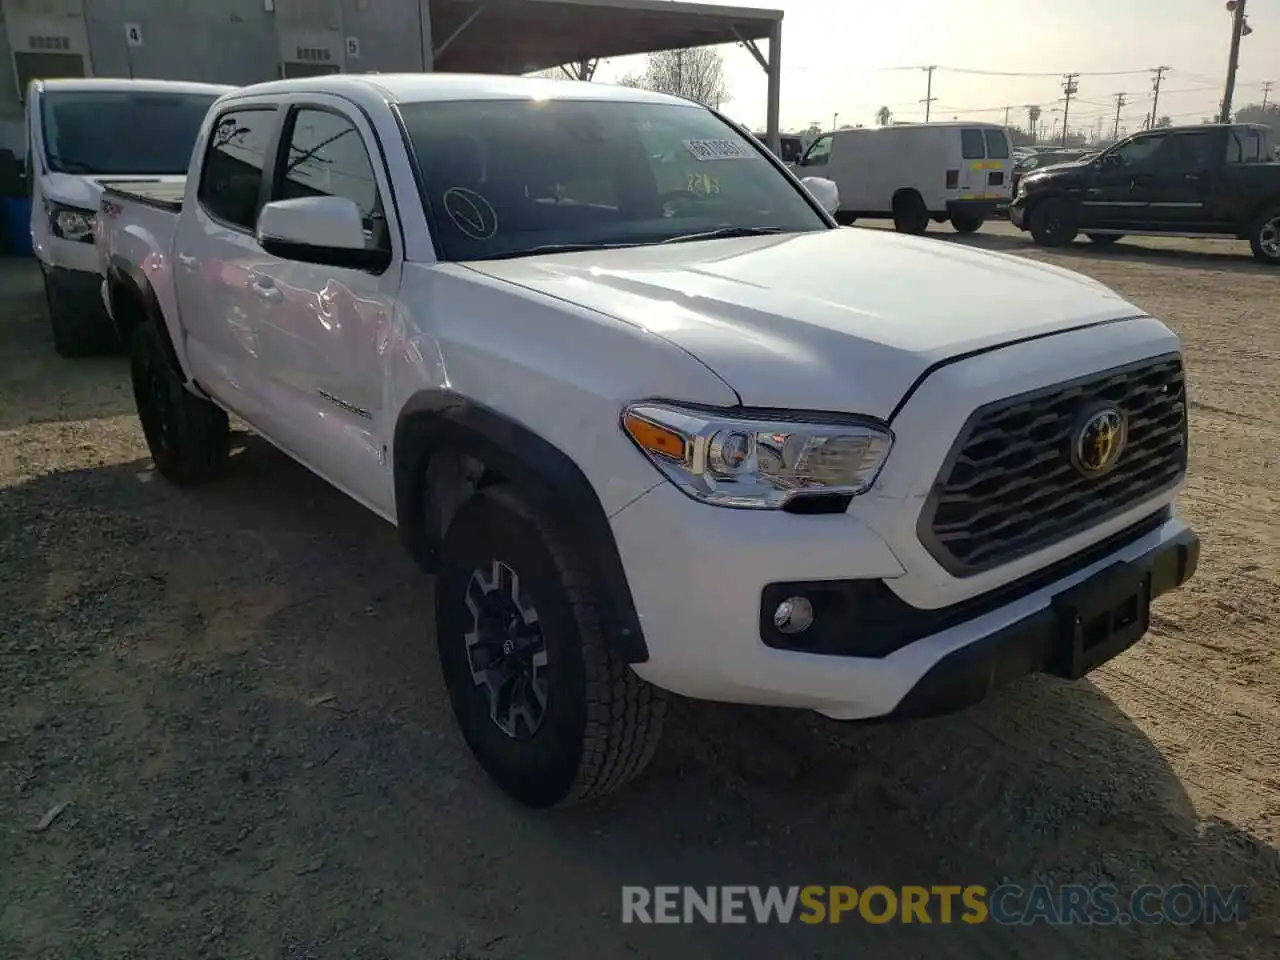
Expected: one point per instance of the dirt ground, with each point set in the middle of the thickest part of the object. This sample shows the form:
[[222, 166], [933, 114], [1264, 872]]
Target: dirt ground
[[234, 691]]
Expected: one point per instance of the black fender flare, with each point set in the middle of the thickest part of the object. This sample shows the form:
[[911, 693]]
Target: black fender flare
[[434, 420], [127, 278]]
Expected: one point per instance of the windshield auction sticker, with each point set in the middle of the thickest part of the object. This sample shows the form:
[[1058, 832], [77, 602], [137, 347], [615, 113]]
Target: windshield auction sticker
[[718, 150]]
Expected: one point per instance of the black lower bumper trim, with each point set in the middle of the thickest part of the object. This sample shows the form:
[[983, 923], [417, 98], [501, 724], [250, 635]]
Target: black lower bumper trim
[[972, 208], [1050, 641]]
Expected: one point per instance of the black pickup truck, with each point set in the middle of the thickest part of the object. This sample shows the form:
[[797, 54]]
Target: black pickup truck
[[1213, 180]]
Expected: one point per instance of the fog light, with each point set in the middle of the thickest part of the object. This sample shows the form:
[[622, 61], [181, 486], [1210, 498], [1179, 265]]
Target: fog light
[[794, 615]]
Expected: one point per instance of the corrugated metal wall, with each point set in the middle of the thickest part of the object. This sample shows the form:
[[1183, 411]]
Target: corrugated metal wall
[[219, 41]]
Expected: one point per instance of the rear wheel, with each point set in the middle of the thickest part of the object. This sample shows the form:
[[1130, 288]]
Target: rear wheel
[[910, 215], [845, 219], [966, 222], [548, 708], [189, 437], [1264, 237], [1053, 223], [1103, 239]]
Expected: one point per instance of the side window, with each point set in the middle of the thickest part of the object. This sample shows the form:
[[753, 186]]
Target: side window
[[997, 145], [1245, 146], [1184, 151], [231, 178], [327, 157], [1138, 150], [972, 145], [819, 153]]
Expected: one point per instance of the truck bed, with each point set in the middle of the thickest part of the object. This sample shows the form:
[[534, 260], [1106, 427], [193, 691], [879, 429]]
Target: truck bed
[[163, 194]]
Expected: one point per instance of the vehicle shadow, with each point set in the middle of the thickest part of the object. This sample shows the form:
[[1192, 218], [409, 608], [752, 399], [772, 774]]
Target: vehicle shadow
[[1219, 256], [236, 688]]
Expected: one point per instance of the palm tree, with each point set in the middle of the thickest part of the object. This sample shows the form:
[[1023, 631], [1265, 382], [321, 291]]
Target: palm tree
[[883, 116]]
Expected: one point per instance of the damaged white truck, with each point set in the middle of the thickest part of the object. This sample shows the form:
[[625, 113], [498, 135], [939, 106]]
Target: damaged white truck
[[652, 420]]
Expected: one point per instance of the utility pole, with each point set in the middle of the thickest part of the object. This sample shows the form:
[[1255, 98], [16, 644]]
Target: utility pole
[[1155, 94], [1120, 102], [1069, 88], [1006, 115], [928, 92], [1236, 7], [1266, 92]]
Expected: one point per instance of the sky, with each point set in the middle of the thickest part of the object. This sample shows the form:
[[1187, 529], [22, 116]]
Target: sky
[[847, 59]]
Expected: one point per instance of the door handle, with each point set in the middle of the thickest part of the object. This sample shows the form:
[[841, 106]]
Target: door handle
[[264, 289]]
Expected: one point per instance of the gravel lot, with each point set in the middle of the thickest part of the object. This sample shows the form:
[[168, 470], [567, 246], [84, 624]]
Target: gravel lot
[[234, 691]]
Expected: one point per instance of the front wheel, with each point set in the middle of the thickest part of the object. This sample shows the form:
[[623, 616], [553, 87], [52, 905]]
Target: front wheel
[[189, 437], [966, 222], [552, 713], [1053, 223], [1264, 237]]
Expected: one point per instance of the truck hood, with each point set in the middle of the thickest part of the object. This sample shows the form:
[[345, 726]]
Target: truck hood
[[839, 320], [84, 190]]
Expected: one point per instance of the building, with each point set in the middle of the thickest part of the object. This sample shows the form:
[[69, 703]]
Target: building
[[249, 41]]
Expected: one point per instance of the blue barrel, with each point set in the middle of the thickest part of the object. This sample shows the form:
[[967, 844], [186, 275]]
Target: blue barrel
[[17, 226]]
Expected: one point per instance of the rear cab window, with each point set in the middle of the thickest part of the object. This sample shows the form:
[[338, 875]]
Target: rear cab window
[[1247, 145]]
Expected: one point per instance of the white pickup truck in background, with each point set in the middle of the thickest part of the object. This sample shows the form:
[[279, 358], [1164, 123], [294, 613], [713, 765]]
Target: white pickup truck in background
[[81, 132], [650, 418]]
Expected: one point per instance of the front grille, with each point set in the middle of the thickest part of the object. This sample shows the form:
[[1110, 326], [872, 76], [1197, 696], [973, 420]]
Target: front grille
[[1009, 487]]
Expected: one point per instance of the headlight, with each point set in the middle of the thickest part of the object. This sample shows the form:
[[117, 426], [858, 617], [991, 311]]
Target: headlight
[[732, 460], [70, 223]]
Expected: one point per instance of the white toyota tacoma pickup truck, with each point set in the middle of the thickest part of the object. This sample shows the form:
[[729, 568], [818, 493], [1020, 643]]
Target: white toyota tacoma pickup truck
[[650, 418]]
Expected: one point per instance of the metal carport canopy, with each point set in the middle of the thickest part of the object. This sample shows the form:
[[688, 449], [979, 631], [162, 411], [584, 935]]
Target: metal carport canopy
[[520, 36]]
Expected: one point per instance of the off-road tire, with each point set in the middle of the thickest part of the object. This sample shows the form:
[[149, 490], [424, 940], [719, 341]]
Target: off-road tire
[[602, 723], [188, 436], [1053, 223], [966, 222], [1104, 239], [1264, 237], [910, 215]]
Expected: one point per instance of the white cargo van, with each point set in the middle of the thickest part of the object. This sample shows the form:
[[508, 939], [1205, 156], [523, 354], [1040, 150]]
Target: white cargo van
[[914, 173], [80, 132]]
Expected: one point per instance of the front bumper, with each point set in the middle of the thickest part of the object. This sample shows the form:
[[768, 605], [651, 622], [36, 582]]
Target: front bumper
[[1018, 213], [698, 575]]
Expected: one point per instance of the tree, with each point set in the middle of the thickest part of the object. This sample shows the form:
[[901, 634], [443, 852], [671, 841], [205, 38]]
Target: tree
[[883, 116], [1033, 118], [696, 74], [1165, 121], [1257, 113]]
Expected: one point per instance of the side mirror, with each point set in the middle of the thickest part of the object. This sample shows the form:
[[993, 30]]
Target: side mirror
[[824, 191], [322, 230]]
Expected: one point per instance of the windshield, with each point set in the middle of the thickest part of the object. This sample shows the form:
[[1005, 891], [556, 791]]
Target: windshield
[[121, 132], [505, 178]]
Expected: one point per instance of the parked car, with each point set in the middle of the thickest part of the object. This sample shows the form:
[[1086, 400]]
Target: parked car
[[1045, 158], [668, 438], [915, 173], [1212, 180], [791, 146], [79, 131]]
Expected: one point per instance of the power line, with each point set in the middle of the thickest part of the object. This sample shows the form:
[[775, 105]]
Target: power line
[[1018, 73]]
